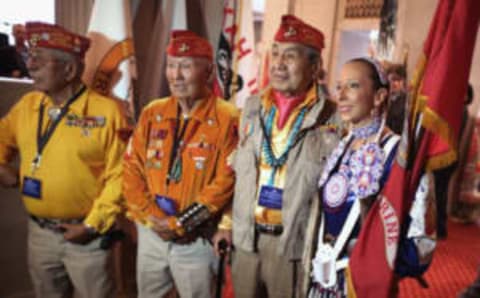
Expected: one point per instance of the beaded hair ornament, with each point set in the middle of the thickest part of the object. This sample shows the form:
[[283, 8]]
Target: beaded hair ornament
[[380, 71]]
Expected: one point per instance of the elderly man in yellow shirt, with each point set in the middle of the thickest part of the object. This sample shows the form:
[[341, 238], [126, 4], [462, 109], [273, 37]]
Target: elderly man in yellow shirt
[[70, 140]]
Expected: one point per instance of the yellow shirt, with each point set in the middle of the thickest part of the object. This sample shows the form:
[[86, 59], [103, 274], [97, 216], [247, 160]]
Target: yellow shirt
[[279, 144], [80, 169]]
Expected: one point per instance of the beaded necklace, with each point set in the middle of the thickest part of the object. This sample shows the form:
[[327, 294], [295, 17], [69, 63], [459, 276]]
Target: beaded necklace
[[359, 171], [270, 158], [368, 130]]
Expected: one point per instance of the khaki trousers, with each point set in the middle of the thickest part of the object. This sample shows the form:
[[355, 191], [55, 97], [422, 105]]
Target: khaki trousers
[[58, 268], [263, 273], [163, 264]]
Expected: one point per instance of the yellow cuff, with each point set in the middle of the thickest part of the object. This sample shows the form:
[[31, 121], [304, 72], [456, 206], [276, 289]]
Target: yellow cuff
[[101, 225], [226, 223], [95, 224]]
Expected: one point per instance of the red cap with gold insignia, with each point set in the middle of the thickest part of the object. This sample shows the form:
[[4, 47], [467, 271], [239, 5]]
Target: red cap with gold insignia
[[44, 35], [292, 29], [185, 43]]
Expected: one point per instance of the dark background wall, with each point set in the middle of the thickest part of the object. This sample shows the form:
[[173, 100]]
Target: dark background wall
[[14, 277]]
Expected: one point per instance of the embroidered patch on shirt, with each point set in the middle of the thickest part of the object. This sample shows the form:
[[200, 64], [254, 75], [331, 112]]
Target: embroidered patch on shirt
[[85, 121], [201, 145], [159, 134]]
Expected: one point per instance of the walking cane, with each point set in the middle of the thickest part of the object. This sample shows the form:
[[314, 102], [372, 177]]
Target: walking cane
[[222, 249]]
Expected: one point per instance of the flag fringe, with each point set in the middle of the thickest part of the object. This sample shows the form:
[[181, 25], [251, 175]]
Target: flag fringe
[[350, 287], [431, 121], [434, 123]]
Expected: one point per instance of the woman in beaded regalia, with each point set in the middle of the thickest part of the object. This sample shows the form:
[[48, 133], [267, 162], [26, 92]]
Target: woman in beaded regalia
[[354, 174]]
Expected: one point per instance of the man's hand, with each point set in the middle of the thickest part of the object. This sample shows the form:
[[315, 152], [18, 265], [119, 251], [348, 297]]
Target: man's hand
[[161, 227], [8, 176], [220, 235], [77, 233]]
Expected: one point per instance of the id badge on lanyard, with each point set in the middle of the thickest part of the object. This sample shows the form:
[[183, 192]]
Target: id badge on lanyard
[[270, 197], [32, 187], [167, 205]]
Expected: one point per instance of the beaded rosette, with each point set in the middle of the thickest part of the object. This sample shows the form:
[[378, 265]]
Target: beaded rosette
[[359, 171], [336, 190], [366, 168]]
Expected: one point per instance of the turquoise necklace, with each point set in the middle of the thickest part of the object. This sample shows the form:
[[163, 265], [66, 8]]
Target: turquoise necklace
[[270, 158]]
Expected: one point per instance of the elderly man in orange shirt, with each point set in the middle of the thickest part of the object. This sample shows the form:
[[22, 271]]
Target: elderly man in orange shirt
[[176, 173], [69, 140]]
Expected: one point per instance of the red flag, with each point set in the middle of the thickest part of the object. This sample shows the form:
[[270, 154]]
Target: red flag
[[438, 92], [227, 291]]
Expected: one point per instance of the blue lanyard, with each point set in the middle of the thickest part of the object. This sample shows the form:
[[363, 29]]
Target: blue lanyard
[[42, 139]]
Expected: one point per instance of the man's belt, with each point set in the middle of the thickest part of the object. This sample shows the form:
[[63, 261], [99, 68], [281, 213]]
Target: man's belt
[[269, 229], [54, 224]]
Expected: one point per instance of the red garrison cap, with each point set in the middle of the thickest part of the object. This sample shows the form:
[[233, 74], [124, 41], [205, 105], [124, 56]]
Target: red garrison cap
[[292, 29], [44, 35], [185, 43]]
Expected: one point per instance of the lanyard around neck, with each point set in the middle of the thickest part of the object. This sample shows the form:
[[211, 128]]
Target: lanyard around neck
[[43, 138], [176, 146]]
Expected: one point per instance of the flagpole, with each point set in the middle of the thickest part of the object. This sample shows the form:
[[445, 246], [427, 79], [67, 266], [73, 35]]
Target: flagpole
[[231, 41], [238, 23]]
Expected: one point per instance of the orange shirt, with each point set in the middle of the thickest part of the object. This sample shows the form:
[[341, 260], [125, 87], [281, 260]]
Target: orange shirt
[[209, 139]]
